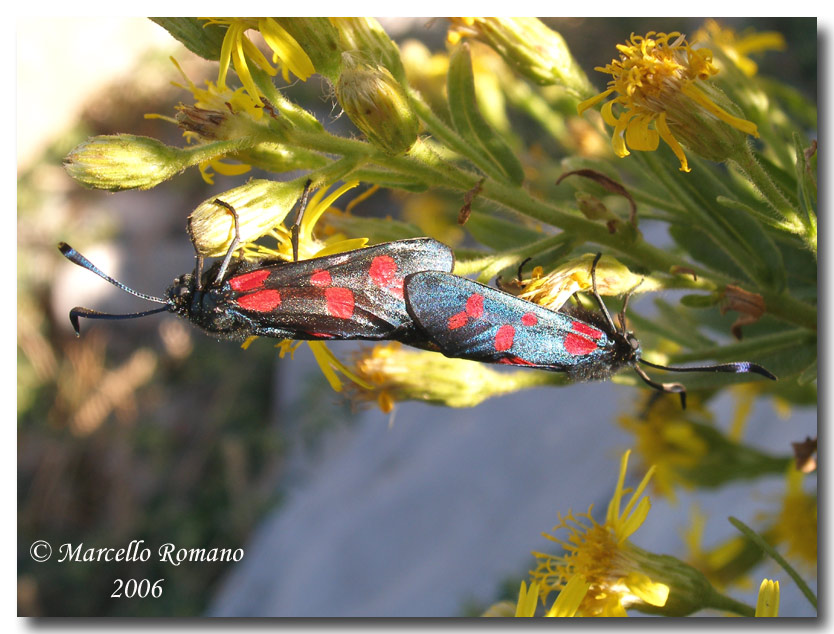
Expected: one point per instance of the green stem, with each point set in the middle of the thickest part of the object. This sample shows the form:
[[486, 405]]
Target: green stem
[[771, 552], [217, 149], [750, 167], [717, 601], [443, 132], [423, 166]]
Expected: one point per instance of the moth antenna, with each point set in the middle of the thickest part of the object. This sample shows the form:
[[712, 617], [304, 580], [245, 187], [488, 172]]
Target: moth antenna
[[663, 387], [79, 311], [76, 258], [738, 367], [596, 294]]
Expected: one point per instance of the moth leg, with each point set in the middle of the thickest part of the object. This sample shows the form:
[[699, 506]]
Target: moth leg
[[232, 246], [596, 294], [296, 225]]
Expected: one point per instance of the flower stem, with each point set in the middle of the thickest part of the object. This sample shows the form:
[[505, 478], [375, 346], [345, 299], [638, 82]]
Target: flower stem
[[717, 601], [753, 170], [771, 552]]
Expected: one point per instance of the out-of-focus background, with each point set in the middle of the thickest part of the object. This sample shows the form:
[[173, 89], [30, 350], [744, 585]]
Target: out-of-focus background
[[149, 430]]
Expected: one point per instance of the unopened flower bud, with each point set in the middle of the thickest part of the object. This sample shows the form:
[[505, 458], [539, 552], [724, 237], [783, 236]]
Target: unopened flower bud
[[123, 161], [260, 205], [530, 47], [377, 104], [367, 37]]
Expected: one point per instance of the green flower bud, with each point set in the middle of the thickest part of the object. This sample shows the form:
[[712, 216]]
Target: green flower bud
[[368, 36], [123, 161], [377, 104], [689, 589], [696, 123], [261, 205], [530, 47]]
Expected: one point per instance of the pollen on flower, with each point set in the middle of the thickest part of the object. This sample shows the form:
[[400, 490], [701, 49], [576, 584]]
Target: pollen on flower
[[600, 554], [655, 87]]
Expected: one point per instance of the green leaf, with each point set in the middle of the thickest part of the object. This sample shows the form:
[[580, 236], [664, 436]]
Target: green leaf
[[205, 40], [500, 233], [702, 248], [470, 123], [666, 329], [377, 229], [808, 375], [726, 460], [786, 354], [806, 183], [769, 267], [700, 301]]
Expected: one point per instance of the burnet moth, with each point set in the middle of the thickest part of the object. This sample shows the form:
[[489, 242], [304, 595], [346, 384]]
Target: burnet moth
[[468, 320], [352, 295]]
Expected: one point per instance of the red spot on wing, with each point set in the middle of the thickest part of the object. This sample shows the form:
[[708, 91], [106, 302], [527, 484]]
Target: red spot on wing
[[529, 319], [261, 301], [514, 360], [383, 272], [504, 338], [249, 281], [585, 329], [397, 287], [457, 320], [475, 305], [339, 302], [321, 278], [577, 345], [320, 335]]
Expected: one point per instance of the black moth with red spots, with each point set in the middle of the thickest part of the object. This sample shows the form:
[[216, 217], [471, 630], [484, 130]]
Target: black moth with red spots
[[352, 295], [467, 320]]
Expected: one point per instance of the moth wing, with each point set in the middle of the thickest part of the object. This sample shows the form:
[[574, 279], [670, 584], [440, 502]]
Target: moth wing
[[468, 320], [352, 295]]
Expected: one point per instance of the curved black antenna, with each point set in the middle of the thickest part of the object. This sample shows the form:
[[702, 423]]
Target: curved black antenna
[[738, 367], [80, 311], [76, 258], [663, 387]]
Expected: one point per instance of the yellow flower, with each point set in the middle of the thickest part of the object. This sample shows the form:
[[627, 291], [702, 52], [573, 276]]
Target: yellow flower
[[227, 169], [570, 597], [665, 438], [238, 51], [398, 374], [565, 605], [527, 600], [615, 570], [555, 288], [738, 48], [795, 524], [768, 601], [655, 82], [308, 246]]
